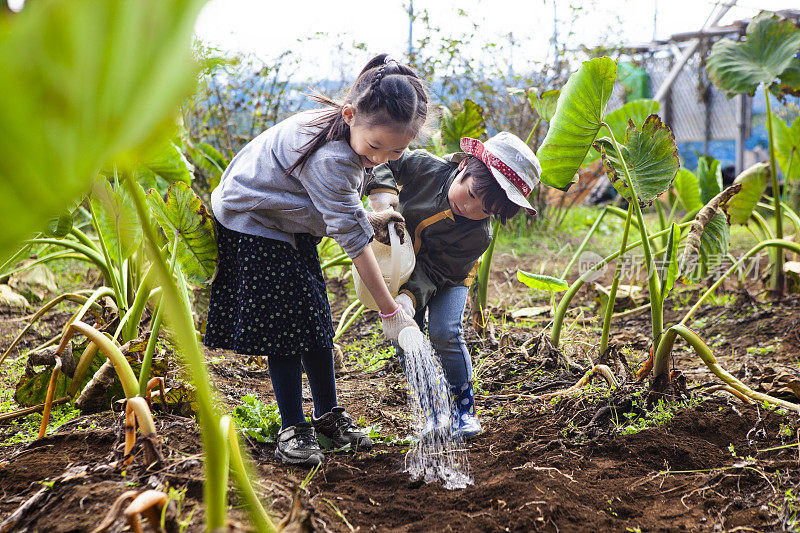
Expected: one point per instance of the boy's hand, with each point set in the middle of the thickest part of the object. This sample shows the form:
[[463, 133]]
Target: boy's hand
[[378, 201], [397, 322], [380, 224]]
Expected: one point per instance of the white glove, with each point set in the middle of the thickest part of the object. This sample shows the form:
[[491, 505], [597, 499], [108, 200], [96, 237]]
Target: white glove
[[404, 301], [397, 322], [378, 201]]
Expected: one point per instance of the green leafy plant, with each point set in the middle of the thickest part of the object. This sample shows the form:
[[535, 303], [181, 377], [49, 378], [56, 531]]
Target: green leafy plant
[[257, 420], [765, 58], [107, 75]]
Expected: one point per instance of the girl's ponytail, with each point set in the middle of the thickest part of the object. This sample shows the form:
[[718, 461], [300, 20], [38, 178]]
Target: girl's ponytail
[[386, 92]]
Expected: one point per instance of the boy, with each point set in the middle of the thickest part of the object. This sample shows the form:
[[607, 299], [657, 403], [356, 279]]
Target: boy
[[447, 205]]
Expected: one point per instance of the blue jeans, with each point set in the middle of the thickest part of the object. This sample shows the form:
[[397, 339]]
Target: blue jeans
[[445, 311]]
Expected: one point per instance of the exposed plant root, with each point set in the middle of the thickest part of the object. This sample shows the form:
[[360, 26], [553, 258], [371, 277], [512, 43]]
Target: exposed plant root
[[730, 390], [646, 368], [91, 397], [48, 403], [603, 370], [544, 349], [153, 383], [113, 513], [149, 503], [136, 410]]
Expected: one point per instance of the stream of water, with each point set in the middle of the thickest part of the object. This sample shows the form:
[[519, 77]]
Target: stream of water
[[435, 455]]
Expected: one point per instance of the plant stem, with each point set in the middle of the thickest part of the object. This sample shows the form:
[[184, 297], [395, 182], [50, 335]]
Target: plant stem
[[261, 520], [563, 305], [778, 281], [181, 324], [485, 267], [778, 243], [113, 271], [580, 249], [535, 127], [612, 295], [661, 364], [147, 361], [656, 303]]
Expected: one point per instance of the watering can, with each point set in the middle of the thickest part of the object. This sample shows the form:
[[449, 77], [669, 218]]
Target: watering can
[[396, 262]]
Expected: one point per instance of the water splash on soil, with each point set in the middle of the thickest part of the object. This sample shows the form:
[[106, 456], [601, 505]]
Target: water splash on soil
[[436, 453]]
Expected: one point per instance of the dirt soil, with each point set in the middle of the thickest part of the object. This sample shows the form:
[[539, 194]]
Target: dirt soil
[[713, 464]]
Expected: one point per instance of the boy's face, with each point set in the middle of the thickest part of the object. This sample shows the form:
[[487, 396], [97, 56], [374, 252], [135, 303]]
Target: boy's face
[[463, 200]]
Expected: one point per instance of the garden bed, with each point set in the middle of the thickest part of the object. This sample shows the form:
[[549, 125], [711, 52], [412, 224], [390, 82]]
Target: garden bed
[[592, 462]]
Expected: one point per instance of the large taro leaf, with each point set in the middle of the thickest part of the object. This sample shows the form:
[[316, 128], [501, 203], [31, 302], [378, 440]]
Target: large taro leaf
[[787, 146], [754, 183], [651, 157], [467, 123], [116, 219], [617, 120], [184, 213], [789, 82], [210, 160], [714, 243], [576, 122], [707, 240], [544, 104], [709, 177], [764, 55], [170, 164], [688, 190], [85, 82]]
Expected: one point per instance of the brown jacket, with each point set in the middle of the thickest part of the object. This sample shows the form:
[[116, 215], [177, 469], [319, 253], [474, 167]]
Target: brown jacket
[[447, 246]]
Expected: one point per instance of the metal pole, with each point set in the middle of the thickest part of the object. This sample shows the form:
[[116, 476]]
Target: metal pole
[[688, 52], [741, 121], [410, 28], [655, 18], [555, 35]]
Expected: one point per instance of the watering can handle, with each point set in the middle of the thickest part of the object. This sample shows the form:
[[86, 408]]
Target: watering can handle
[[394, 280]]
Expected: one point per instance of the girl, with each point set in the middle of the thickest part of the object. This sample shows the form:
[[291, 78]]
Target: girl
[[296, 182]]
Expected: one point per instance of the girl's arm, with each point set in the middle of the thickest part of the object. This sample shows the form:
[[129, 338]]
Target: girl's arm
[[367, 267]]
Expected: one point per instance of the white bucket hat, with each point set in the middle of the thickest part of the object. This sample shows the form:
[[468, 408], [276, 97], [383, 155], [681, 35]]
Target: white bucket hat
[[512, 162]]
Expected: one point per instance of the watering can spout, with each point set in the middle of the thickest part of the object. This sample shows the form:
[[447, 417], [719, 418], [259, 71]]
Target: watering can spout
[[411, 339]]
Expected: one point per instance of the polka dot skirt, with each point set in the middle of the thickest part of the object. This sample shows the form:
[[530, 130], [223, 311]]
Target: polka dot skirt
[[268, 298]]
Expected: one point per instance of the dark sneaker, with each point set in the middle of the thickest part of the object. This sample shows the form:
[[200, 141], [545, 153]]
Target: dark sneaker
[[297, 445], [340, 429]]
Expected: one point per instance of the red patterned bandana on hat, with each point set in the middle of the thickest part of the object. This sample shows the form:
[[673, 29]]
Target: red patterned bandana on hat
[[476, 148]]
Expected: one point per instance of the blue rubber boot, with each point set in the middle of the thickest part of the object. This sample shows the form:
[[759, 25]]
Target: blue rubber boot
[[466, 424]]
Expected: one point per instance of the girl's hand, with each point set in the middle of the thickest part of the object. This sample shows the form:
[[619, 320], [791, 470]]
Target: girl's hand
[[396, 322], [380, 224]]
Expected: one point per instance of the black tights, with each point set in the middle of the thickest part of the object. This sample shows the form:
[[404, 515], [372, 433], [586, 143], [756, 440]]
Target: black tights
[[285, 371]]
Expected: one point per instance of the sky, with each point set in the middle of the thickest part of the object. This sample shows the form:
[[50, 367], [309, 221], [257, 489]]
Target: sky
[[267, 28]]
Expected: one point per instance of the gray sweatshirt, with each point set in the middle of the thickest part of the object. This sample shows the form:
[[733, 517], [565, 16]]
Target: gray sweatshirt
[[324, 199]]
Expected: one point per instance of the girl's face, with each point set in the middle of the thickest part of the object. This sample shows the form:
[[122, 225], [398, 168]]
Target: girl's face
[[463, 200], [374, 144]]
